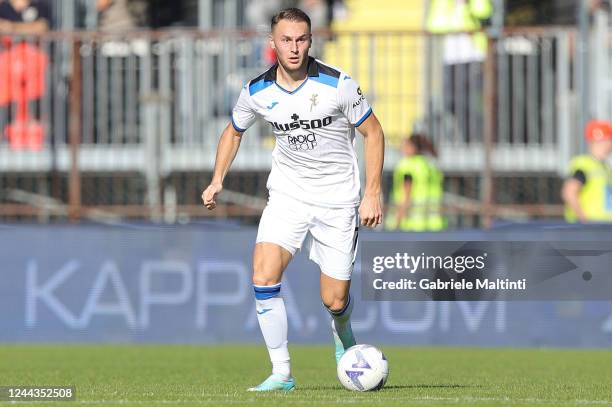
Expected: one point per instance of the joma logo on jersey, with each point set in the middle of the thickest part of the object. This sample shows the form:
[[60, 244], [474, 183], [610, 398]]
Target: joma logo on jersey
[[302, 142], [302, 124]]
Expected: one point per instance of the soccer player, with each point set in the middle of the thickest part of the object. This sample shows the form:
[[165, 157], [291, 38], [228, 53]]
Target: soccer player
[[314, 188]]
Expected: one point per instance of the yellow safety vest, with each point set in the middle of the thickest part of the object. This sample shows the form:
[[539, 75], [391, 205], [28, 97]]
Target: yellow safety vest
[[481, 9], [448, 16], [596, 194], [424, 213]]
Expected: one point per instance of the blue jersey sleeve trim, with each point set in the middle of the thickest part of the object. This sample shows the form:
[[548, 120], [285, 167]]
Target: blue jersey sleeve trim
[[258, 86], [238, 129], [365, 116], [326, 80]]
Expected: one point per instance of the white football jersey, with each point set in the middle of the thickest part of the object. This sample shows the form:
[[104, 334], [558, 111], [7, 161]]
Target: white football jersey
[[314, 159]]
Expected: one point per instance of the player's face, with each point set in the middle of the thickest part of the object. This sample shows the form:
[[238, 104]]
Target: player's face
[[291, 40]]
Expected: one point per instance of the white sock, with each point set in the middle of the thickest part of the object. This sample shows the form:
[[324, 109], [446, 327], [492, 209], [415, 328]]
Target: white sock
[[341, 324], [272, 318]]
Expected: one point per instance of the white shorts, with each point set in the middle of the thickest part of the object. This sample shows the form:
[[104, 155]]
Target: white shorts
[[330, 233]]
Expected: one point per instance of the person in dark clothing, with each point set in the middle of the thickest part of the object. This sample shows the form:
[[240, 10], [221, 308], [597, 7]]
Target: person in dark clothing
[[24, 17]]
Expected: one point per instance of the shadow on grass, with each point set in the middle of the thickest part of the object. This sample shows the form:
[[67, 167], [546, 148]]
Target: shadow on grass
[[398, 387], [431, 386]]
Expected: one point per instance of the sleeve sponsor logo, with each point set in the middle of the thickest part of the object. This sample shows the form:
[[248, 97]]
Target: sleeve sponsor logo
[[360, 98]]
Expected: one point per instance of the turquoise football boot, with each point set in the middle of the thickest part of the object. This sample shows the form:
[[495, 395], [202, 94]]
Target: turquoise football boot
[[276, 382]]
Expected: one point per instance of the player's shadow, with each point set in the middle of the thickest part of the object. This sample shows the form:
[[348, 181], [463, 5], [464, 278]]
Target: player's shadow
[[399, 386], [431, 386]]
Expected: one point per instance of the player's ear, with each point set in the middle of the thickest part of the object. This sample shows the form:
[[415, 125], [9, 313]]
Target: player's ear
[[271, 42]]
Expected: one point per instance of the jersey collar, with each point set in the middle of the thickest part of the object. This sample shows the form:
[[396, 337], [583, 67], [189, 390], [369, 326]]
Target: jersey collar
[[312, 70]]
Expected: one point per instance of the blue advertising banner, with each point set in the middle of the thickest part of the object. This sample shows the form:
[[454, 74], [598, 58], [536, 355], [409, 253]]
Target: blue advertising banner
[[192, 284]]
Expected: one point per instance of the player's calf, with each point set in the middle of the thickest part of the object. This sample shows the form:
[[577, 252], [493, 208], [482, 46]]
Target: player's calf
[[272, 318], [341, 326]]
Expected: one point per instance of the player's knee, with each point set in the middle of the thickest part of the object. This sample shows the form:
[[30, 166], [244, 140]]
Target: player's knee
[[334, 303], [264, 280], [263, 274]]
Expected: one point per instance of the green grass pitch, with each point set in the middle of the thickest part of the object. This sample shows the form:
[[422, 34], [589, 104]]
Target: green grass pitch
[[175, 375]]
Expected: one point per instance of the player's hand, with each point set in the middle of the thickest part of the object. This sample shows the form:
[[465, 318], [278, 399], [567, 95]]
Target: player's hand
[[370, 211], [210, 194]]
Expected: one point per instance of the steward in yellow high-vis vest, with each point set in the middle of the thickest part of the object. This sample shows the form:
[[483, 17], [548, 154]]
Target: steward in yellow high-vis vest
[[417, 192], [450, 16], [588, 192], [481, 9]]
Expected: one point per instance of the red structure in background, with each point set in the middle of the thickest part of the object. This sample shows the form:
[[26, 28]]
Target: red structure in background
[[22, 79]]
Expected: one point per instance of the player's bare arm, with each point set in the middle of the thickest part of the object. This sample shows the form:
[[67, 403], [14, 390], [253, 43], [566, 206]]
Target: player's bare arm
[[226, 151], [570, 194], [404, 207], [370, 209], [39, 26]]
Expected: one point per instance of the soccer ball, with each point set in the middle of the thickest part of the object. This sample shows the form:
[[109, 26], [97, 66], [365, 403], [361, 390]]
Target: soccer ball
[[363, 368]]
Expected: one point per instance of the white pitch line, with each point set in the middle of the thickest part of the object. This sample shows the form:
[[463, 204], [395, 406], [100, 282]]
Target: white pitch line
[[289, 399]]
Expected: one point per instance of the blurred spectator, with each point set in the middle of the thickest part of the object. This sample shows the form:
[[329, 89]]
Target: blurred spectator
[[464, 53], [548, 12], [417, 192], [317, 11], [24, 16], [588, 191], [603, 5], [336, 10], [165, 13], [459, 17], [22, 70], [259, 12], [121, 15]]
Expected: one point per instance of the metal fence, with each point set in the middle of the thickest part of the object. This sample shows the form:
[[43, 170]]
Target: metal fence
[[105, 126]]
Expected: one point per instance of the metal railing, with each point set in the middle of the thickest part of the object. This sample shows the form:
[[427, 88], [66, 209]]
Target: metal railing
[[124, 123]]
